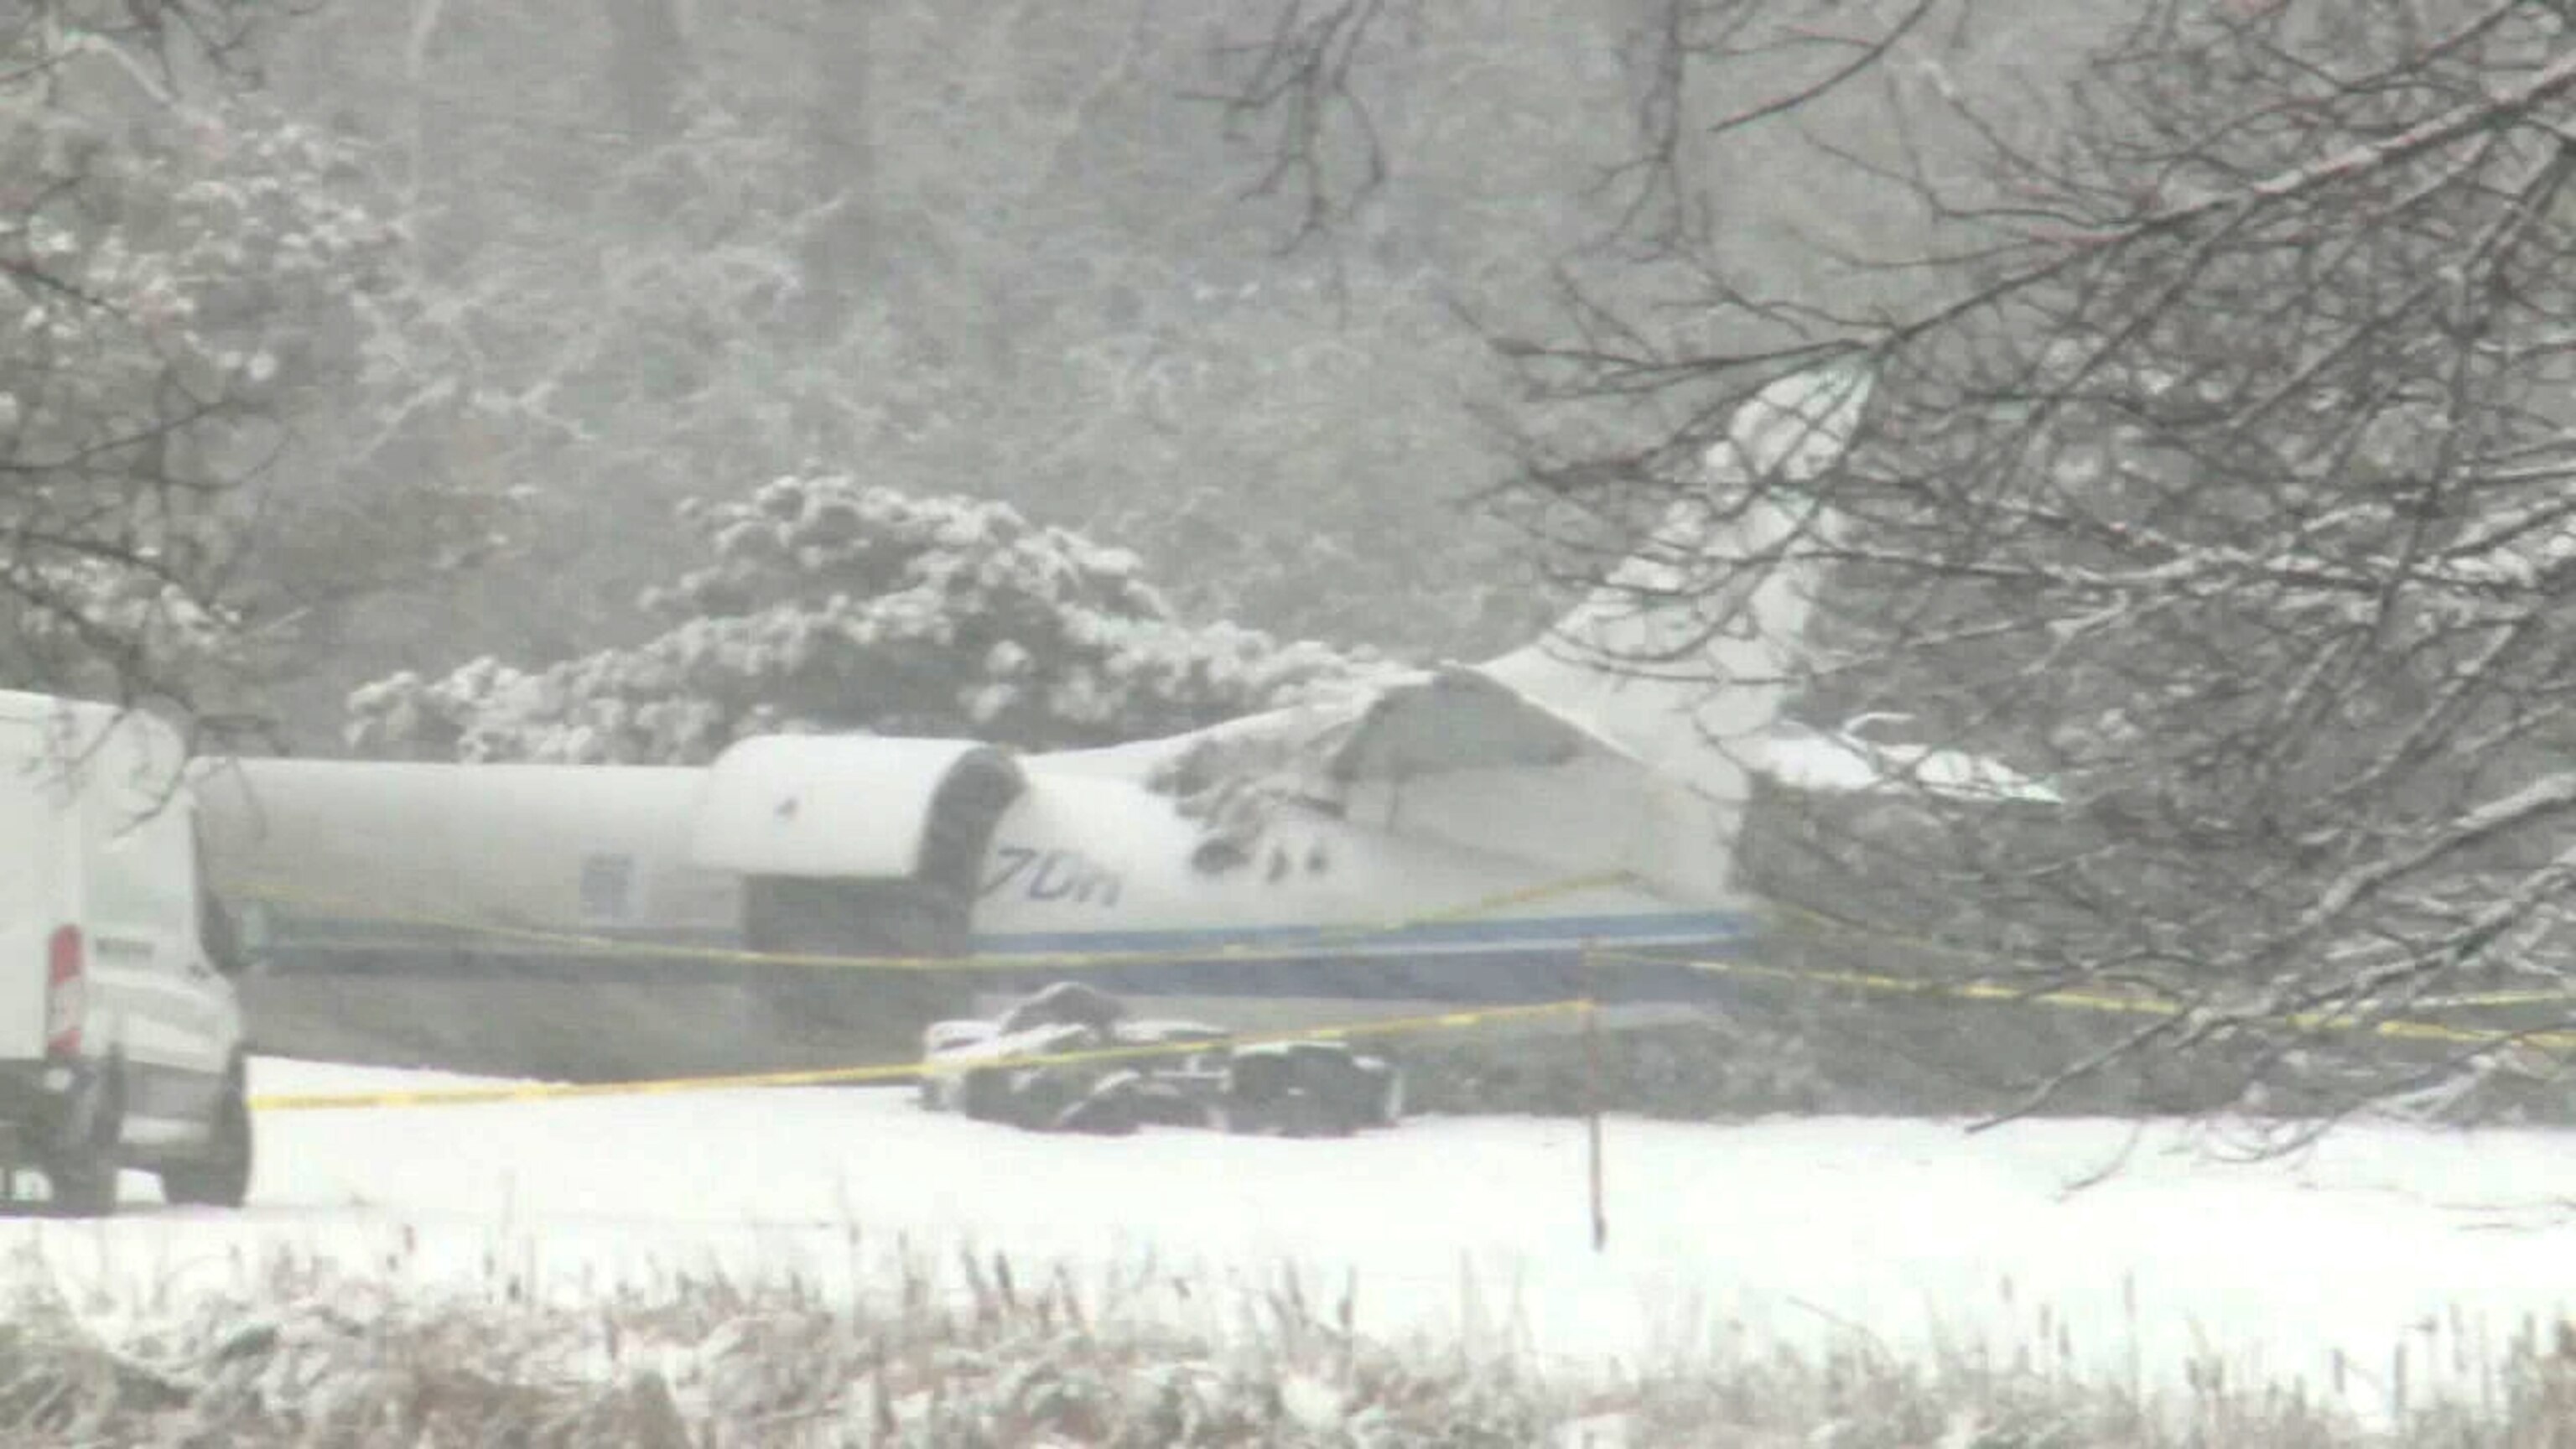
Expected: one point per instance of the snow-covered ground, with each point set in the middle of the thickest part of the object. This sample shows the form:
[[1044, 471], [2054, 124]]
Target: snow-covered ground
[[1911, 1232]]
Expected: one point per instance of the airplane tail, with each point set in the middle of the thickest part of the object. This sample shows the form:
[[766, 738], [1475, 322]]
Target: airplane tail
[[1682, 656]]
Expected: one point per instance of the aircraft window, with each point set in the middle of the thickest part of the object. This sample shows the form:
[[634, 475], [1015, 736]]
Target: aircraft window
[[1278, 864], [1318, 860]]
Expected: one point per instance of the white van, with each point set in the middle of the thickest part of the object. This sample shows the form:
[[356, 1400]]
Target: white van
[[120, 1034]]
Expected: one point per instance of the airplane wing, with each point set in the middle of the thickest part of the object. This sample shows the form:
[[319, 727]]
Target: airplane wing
[[1455, 755], [1455, 718], [1468, 757]]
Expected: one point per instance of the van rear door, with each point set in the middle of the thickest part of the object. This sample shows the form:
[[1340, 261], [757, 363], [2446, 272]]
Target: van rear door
[[39, 874], [152, 986]]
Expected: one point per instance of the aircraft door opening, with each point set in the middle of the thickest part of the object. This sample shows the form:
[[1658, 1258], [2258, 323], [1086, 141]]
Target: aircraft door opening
[[876, 912]]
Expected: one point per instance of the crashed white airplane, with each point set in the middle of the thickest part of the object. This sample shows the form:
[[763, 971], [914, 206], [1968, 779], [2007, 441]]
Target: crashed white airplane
[[1457, 833]]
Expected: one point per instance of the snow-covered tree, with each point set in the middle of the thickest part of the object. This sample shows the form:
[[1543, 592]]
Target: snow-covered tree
[[596, 349], [831, 604], [2218, 467], [184, 270]]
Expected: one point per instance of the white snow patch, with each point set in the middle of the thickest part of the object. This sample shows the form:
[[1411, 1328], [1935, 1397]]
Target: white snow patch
[[1796, 1231]]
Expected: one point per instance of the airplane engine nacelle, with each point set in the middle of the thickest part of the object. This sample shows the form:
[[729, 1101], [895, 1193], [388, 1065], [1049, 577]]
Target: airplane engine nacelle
[[861, 844], [850, 806]]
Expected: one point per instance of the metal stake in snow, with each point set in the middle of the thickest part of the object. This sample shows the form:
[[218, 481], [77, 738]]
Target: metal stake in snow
[[1593, 1092]]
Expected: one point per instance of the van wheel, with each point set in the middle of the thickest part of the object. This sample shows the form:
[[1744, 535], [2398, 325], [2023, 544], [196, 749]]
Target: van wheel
[[81, 1169], [222, 1177]]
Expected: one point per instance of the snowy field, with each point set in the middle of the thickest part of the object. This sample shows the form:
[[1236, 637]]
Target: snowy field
[[1914, 1234]]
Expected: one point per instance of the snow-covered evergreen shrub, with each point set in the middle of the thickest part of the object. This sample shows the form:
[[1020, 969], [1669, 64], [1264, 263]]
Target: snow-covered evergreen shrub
[[828, 603]]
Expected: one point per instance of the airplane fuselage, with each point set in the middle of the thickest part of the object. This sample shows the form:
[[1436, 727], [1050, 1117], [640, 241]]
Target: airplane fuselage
[[559, 919]]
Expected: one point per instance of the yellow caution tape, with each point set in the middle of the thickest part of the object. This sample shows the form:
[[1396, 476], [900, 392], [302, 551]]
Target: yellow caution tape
[[1835, 925], [2475, 1000], [2339, 1021], [2130, 1003], [1985, 991], [580, 943], [904, 1071], [2345, 1021], [1914, 985]]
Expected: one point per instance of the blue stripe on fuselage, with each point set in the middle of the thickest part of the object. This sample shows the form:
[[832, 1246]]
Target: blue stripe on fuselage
[[1523, 959], [1550, 932], [1645, 957]]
